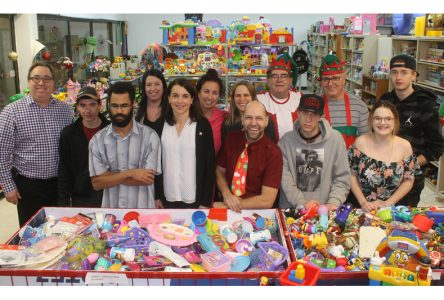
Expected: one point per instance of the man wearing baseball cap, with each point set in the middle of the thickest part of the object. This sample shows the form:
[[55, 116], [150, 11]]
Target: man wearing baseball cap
[[345, 113], [418, 116], [315, 160], [280, 101], [74, 182]]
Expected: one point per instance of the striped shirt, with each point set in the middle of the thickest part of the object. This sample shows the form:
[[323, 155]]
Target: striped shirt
[[29, 139], [358, 111], [140, 149]]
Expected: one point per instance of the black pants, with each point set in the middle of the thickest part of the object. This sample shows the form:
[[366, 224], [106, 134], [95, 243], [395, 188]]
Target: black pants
[[35, 193], [179, 204]]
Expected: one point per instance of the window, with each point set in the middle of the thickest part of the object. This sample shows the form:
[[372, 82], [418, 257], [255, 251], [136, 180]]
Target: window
[[8, 68]]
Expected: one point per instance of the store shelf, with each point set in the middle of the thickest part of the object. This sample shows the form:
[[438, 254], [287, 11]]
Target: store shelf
[[354, 81], [188, 75], [369, 92], [430, 63], [430, 86], [430, 184]]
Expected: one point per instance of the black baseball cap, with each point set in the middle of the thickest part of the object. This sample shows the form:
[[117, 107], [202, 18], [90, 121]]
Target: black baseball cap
[[88, 92], [312, 102], [403, 61]]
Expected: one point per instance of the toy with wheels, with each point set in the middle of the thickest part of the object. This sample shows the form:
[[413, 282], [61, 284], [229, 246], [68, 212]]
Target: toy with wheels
[[407, 261]]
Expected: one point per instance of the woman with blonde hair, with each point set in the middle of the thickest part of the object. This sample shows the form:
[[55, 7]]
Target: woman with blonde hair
[[382, 164], [243, 92]]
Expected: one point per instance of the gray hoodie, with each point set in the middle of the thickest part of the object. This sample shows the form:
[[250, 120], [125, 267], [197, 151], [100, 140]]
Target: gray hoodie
[[316, 171]]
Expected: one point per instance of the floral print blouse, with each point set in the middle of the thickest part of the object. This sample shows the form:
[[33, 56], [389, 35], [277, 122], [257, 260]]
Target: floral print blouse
[[378, 179]]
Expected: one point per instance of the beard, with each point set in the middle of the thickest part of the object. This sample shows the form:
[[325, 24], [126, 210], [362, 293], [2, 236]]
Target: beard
[[122, 122]]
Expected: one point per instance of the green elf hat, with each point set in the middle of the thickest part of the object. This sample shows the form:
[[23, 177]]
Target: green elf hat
[[285, 62], [331, 65]]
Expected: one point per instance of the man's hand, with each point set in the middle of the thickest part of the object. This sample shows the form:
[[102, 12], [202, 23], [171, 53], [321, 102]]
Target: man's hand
[[143, 175], [310, 203], [233, 202], [159, 204], [331, 207], [13, 197]]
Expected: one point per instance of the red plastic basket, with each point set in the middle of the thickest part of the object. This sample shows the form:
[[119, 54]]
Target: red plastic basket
[[311, 274]]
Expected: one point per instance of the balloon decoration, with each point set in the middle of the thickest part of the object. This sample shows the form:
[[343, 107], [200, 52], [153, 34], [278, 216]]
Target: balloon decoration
[[46, 55], [301, 59], [64, 63], [12, 56], [91, 43]]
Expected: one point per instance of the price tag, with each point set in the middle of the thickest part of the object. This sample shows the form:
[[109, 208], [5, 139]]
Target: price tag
[[93, 278], [436, 275]]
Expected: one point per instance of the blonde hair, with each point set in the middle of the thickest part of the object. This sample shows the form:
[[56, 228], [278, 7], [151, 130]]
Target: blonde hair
[[234, 116]]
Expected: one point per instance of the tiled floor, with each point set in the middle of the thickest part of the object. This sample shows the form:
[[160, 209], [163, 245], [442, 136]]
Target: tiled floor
[[9, 221]]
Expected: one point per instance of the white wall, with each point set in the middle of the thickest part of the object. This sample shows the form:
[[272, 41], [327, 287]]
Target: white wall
[[144, 29], [25, 32]]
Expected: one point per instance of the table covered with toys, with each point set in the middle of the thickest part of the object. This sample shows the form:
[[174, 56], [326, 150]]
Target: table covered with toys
[[395, 245], [78, 246]]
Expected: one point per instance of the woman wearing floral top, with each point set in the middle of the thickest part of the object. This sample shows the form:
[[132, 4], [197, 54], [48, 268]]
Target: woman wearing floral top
[[383, 165]]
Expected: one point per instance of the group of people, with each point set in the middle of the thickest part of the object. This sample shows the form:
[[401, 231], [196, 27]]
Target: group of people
[[179, 150]]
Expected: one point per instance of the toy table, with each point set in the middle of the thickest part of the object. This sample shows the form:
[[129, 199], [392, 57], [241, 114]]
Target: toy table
[[141, 278], [333, 277]]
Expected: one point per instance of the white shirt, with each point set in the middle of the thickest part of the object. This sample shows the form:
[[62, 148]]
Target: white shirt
[[179, 163], [284, 110]]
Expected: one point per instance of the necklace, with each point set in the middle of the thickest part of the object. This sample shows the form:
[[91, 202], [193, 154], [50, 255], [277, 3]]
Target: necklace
[[310, 139]]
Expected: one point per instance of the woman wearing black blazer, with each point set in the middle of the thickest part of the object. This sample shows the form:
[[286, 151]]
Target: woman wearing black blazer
[[188, 161]]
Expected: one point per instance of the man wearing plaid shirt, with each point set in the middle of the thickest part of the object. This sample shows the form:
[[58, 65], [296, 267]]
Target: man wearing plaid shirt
[[29, 138]]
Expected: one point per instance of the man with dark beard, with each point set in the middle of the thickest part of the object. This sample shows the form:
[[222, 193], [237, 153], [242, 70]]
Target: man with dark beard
[[249, 164], [125, 156]]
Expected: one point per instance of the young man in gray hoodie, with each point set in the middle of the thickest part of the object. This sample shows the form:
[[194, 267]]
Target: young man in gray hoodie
[[315, 160]]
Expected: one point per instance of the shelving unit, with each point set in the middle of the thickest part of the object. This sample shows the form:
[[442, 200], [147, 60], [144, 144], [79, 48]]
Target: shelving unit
[[436, 181], [363, 55], [319, 49], [430, 63], [248, 67], [373, 89]]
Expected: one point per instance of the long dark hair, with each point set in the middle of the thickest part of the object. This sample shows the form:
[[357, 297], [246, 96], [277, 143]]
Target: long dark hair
[[211, 75], [141, 111], [195, 112]]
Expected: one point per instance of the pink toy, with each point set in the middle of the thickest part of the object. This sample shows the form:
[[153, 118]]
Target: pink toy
[[172, 234], [215, 261], [145, 220]]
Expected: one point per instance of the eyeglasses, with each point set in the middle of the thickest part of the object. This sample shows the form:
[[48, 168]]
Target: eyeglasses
[[281, 76], [37, 79], [334, 79], [386, 119], [122, 106]]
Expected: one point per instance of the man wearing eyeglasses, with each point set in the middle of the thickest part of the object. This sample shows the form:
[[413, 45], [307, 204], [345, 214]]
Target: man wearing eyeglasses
[[29, 138], [280, 101], [124, 157], [74, 182], [419, 119], [344, 112]]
